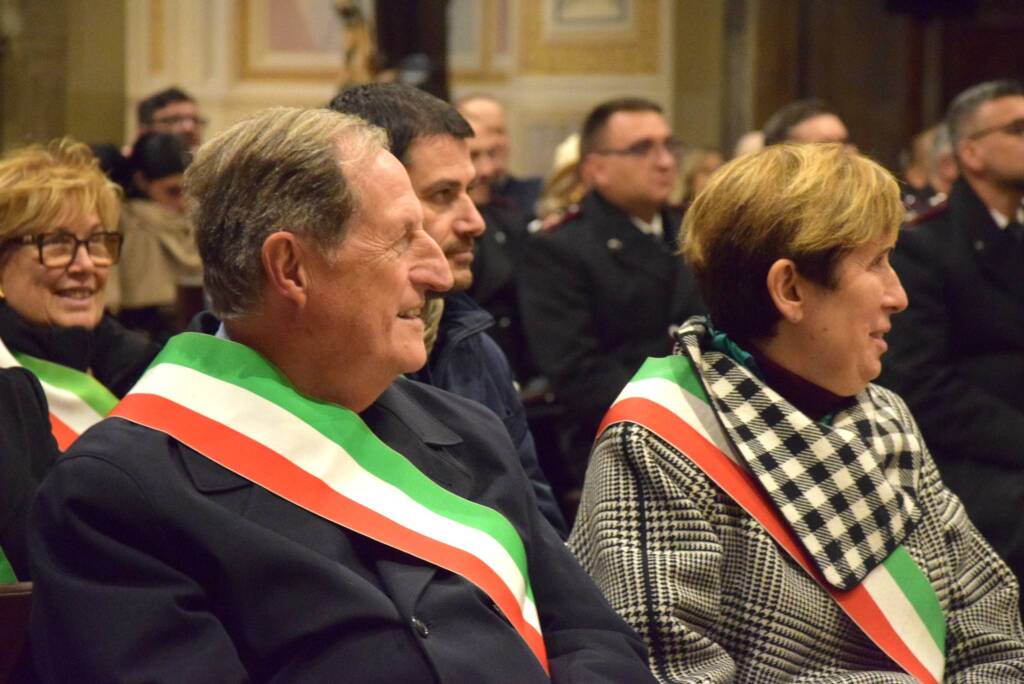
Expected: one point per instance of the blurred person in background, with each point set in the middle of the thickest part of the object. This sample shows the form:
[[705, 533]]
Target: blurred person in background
[[160, 274], [695, 169], [521, 193], [172, 110], [600, 289], [805, 121], [957, 355]]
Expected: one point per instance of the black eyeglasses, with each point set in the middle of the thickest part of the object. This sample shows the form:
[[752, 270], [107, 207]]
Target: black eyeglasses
[[1015, 127], [646, 149], [57, 250]]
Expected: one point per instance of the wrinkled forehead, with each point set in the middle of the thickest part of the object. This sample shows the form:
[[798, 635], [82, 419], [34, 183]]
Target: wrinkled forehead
[[998, 112], [179, 108], [625, 128]]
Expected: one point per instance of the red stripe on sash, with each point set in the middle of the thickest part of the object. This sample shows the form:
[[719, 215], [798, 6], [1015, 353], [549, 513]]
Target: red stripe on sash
[[61, 432], [275, 473], [744, 489]]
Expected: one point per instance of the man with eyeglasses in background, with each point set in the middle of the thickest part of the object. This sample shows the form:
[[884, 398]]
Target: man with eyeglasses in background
[[600, 289], [172, 110], [957, 353]]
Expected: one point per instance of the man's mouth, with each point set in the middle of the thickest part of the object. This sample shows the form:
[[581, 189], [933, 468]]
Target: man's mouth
[[411, 314]]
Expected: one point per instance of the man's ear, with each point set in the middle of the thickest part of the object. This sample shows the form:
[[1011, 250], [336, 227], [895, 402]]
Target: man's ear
[[967, 153], [285, 265], [786, 288]]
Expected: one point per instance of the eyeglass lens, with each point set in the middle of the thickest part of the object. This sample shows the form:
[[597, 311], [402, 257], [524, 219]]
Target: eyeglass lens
[[59, 249]]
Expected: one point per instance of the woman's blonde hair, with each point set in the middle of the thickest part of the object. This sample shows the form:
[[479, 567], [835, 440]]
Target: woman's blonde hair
[[40, 184], [811, 203]]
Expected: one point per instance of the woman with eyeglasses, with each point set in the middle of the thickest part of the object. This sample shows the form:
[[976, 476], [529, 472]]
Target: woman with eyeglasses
[[755, 506], [58, 242], [160, 268], [63, 361]]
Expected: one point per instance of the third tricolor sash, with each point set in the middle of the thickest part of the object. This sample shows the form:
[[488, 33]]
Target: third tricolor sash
[[76, 400], [894, 605], [230, 404]]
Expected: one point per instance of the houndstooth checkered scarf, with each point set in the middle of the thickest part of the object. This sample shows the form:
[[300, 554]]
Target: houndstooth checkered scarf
[[848, 490]]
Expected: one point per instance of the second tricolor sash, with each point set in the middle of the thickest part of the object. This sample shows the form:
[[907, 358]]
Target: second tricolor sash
[[76, 400], [895, 605], [230, 404]]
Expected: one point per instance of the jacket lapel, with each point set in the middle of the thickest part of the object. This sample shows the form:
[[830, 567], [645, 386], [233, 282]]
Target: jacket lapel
[[997, 253], [405, 427], [640, 254]]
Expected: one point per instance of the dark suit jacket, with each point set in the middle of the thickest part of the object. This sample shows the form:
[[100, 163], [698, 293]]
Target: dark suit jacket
[[598, 297], [957, 357], [27, 450], [154, 564]]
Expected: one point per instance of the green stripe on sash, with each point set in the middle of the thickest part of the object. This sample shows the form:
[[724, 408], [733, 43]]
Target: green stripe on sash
[[7, 575], [83, 385], [676, 369], [919, 592], [244, 367]]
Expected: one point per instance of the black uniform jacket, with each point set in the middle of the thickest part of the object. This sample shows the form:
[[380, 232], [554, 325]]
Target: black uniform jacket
[[27, 450], [154, 564], [957, 357], [598, 297]]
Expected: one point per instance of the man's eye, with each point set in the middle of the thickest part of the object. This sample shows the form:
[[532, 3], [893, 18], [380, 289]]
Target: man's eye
[[640, 148]]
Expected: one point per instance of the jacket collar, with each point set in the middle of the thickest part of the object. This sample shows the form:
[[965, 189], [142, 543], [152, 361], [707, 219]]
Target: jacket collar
[[996, 251], [421, 428]]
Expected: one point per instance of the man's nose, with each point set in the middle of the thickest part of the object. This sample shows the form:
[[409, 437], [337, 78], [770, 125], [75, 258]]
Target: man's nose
[[469, 223], [431, 270]]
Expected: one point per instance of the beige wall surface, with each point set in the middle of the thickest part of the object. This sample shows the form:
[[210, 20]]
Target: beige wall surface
[[63, 70]]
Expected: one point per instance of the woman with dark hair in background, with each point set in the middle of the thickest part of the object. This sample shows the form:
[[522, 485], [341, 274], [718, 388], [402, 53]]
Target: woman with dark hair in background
[[160, 265]]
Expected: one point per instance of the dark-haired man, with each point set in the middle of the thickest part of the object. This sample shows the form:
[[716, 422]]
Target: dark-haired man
[[957, 353], [430, 138], [805, 121], [172, 110], [600, 290]]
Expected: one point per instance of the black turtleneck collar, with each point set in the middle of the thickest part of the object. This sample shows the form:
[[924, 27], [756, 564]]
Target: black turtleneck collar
[[115, 356], [812, 400]]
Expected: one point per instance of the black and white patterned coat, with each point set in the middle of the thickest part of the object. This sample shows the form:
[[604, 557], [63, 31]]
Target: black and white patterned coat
[[718, 601]]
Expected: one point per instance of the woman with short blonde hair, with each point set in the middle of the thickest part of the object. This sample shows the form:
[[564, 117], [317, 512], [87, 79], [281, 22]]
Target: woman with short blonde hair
[[754, 506], [58, 243]]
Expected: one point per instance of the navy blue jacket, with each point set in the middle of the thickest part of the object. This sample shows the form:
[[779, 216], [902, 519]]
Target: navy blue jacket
[[468, 362], [153, 563]]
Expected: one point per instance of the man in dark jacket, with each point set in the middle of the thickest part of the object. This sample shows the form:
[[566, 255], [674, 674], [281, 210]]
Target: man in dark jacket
[[957, 353], [600, 290], [429, 137], [275, 502]]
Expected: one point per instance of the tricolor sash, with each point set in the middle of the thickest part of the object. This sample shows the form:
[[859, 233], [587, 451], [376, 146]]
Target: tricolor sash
[[7, 575], [230, 404], [895, 604], [76, 400]]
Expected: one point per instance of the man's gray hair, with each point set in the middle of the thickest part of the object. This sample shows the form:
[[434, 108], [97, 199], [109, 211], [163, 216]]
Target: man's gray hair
[[283, 169], [942, 146], [960, 114]]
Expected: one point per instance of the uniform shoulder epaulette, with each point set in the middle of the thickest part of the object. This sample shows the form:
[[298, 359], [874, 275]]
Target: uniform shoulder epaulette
[[572, 212], [916, 217]]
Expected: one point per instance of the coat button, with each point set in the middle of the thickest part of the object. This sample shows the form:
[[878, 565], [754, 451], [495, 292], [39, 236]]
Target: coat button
[[420, 627], [614, 245]]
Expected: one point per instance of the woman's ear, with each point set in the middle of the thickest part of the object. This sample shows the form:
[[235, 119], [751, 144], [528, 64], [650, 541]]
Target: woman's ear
[[284, 263], [786, 288]]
